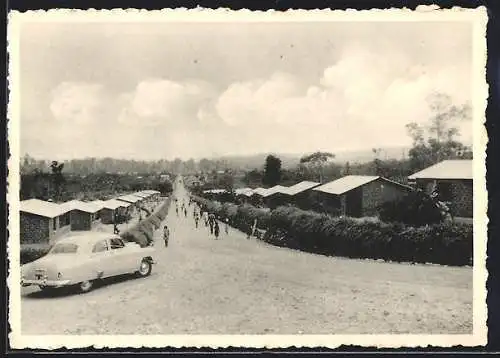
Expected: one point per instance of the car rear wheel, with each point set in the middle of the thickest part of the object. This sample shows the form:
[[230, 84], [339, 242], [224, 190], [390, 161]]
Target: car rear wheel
[[145, 268], [85, 286]]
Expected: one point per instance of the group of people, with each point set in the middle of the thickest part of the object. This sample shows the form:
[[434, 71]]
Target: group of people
[[210, 221], [200, 214]]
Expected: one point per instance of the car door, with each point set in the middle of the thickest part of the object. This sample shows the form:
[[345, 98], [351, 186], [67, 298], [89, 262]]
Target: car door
[[122, 257], [101, 259]]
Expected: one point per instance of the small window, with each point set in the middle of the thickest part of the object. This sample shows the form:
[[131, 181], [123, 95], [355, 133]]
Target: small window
[[101, 246], [116, 244], [64, 248]]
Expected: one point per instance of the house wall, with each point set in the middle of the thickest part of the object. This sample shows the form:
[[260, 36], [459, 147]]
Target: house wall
[[462, 200], [327, 203], [34, 228], [81, 221], [277, 199], [378, 192], [304, 199], [107, 216], [39, 229]]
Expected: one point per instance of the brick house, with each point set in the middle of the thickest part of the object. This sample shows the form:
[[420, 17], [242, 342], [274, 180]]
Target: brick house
[[358, 195], [244, 194], [144, 197], [299, 194], [83, 216], [275, 196], [134, 202], [42, 221], [99, 204], [452, 180], [111, 208], [257, 197]]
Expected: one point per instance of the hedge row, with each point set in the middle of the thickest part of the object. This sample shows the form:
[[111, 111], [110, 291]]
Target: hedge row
[[239, 216], [143, 232], [445, 243], [32, 252]]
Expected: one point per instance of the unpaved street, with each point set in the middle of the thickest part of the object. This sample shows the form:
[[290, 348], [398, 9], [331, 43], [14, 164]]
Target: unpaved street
[[234, 285]]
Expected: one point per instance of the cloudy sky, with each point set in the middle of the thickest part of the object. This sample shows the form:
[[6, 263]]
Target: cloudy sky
[[159, 90]]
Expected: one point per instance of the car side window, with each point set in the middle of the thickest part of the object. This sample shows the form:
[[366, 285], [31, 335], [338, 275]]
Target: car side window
[[100, 246], [116, 244]]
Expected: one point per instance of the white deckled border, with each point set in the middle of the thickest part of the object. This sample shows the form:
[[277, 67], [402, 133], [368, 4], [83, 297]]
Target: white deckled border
[[477, 17]]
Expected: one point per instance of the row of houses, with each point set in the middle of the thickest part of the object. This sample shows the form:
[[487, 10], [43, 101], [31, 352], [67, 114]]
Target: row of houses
[[42, 221], [361, 195]]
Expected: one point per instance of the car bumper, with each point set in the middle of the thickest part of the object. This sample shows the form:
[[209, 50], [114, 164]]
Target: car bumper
[[51, 283]]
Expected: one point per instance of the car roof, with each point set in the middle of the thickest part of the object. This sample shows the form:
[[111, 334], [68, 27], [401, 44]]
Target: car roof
[[88, 238]]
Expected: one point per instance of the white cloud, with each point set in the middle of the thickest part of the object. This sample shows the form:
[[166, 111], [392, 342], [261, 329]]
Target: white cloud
[[363, 100], [161, 101], [76, 102]]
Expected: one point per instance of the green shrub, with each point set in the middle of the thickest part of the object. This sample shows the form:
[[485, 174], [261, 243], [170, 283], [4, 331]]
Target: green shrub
[[32, 252], [134, 235], [416, 208], [441, 243], [143, 232]]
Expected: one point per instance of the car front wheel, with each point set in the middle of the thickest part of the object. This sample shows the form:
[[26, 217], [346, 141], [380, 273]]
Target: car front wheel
[[85, 286], [145, 268]]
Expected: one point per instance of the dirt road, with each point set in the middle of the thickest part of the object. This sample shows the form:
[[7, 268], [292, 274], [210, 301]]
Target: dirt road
[[237, 286]]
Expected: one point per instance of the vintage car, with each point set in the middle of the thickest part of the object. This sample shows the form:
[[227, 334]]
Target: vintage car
[[81, 259]]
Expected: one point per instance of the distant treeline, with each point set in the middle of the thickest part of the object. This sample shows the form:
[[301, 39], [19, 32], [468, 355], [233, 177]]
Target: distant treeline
[[40, 185], [397, 170]]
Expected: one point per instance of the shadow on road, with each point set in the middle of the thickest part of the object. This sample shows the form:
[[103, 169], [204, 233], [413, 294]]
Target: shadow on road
[[73, 290]]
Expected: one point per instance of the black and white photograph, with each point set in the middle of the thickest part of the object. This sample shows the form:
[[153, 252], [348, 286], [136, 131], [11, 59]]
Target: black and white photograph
[[219, 178]]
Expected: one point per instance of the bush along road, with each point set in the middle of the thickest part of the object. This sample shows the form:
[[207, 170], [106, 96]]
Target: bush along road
[[444, 244], [236, 285]]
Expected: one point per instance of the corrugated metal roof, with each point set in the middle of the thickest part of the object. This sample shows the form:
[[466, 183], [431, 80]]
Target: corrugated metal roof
[[98, 203], [129, 198], [260, 191], [115, 204], [345, 184], [151, 191], [244, 191], [301, 187], [447, 169], [42, 208], [87, 207], [274, 190], [215, 191], [141, 195]]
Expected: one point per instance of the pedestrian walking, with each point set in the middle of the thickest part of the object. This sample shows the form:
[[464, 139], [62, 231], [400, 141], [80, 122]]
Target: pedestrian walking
[[116, 231], [185, 212], [226, 226], [196, 221], [166, 235], [216, 230], [177, 210], [210, 222]]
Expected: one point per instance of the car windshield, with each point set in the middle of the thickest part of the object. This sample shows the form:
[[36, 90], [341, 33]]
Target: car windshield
[[64, 248]]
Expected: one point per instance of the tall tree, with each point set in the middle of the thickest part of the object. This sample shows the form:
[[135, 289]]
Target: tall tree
[[377, 162], [57, 179], [438, 139], [272, 171], [317, 161], [347, 168]]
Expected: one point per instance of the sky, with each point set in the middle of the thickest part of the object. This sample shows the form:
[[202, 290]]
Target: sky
[[192, 90]]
